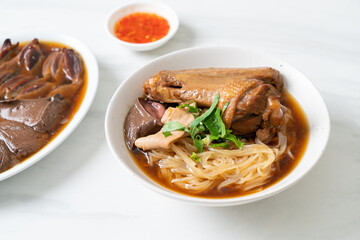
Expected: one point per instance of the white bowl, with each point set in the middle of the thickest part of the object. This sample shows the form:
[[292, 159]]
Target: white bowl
[[148, 7], [93, 78], [295, 82]]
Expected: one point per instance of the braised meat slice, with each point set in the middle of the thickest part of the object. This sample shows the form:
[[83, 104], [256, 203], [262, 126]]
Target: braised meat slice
[[6, 158], [42, 114], [253, 95], [143, 119], [20, 139]]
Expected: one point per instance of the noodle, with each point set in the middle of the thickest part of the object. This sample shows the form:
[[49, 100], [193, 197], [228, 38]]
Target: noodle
[[248, 168]]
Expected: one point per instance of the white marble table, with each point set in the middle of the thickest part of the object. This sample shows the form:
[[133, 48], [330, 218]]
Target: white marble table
[[79, 191]]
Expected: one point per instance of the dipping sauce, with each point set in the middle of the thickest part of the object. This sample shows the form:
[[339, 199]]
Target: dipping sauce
[[141, 28]]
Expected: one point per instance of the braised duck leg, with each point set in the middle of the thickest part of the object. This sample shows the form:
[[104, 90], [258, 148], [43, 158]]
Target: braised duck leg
[[250, 92]]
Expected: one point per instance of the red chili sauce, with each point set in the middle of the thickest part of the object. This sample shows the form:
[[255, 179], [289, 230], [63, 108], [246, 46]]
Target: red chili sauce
[[141, 28]]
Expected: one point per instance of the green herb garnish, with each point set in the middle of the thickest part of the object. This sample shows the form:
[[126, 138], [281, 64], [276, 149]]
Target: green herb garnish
[[192, 109], [199, 129], [195, 157], [198, 143], [202, 117], [234, 139], [172, 126], [225, 107], [215, 124], [166, 134], [222, 145]]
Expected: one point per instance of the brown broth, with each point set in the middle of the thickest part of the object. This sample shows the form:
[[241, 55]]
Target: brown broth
[[47, 47], [286, 164]]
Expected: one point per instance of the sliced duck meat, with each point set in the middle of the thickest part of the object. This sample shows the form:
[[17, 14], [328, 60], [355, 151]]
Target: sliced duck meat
[[246, 90], [7, 160], [42, 114], [20, 139], [143, 119]]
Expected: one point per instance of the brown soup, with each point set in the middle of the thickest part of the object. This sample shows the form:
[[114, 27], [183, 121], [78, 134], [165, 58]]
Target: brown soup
[[299, 129]]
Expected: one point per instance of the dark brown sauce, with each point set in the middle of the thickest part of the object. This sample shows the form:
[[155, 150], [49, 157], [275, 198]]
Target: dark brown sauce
[[47, 47], [299, 129]]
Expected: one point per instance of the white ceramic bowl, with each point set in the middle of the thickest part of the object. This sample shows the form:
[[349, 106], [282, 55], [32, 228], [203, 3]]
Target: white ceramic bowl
[[93, 78], [295, 82], [148, 7]]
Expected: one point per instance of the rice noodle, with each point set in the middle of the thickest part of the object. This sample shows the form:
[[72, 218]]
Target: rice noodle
[[246, 169]]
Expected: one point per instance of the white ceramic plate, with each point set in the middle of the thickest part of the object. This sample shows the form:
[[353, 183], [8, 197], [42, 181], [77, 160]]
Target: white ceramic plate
[[93, 78], [295, 82]]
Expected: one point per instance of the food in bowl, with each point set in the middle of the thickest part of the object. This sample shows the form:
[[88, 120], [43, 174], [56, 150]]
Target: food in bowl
[[41, 88], [216, 132]]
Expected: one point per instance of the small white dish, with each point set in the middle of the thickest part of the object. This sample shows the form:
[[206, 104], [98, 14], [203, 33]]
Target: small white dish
[[147, 7], [91, 87], [295, 82]]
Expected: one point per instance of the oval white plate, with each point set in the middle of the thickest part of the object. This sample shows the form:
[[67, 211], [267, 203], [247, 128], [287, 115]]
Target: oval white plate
[[295, 82], [93, 78]]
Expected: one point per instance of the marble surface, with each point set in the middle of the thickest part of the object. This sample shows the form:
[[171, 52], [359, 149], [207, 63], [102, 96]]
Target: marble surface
[[79, 191]]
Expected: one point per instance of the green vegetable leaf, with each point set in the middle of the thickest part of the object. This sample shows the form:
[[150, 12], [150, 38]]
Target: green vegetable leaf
[[201, 127], [210, 121], [198, 143], [192, 109], [172, 126], [193, 131], [202, 117], [236, 140], [195, 157], [222, 145], [166, 134], [224, 108], [215, 124], [213, 137]]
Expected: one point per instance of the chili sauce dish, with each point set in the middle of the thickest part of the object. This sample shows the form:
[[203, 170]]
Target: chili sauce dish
[[217, 126], [142, 26], [48, 83]]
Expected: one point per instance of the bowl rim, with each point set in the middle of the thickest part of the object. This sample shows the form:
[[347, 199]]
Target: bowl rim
[[151, 45], [232, 201], [90, 92]]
